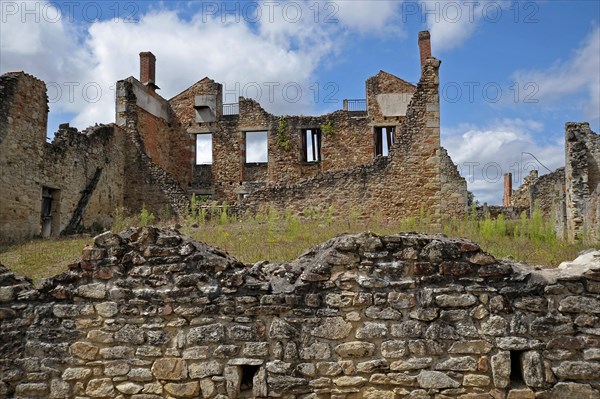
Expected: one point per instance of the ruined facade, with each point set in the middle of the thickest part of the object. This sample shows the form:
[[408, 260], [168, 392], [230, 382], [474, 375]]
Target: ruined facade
[[150, 314], [78, 179], [382, 153], [569, 195]]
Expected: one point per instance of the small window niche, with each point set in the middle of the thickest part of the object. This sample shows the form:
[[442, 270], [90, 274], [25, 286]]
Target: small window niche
[[516, 370], [257, 147], [247, 380], [311, 145], [384, 139], [204, 149]]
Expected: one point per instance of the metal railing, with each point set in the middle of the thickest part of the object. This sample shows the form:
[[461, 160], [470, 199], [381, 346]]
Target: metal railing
[[231, 109], [357, 105]]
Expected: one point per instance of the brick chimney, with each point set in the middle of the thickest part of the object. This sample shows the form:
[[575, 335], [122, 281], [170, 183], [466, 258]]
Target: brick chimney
[[424, 46], [148, 69], [507, 189]]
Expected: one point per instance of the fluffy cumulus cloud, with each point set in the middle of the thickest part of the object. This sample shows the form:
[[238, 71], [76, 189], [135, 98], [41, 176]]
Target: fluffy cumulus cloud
[[451, 23], [484, 153], [364, 17], [579, 75], [269, 51]]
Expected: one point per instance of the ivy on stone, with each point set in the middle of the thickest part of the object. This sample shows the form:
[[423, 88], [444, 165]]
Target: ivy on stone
[[283, 137], [327, 128]]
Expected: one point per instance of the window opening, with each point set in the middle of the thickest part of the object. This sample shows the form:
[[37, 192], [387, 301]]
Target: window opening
[[257, 147], [311, 145], [384, 139], [204, 153]]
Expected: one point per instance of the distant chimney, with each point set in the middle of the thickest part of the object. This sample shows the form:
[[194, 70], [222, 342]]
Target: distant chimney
[[424, 46], [147, 69], [507, 189]]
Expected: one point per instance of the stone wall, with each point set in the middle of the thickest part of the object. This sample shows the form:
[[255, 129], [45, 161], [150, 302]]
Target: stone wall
[[569, 195], [547, 191], [149, 184], [405, 184], [454, 193], [81, 170], [88, 174], [582, 179], [149, 314], [351, 143]]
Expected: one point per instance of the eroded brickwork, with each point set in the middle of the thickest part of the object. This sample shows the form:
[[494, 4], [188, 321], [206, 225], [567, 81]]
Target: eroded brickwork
[[582, 179], [547, 191], [454, 193], [382, 160], [405, 184], [150, 314], [63, 168], [80, 178], [569, 195]]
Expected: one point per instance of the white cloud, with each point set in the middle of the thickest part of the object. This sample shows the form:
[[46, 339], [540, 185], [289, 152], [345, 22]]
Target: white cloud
[[366, 16], [485, 153], [580, 74], [279, 53], [451, 23]]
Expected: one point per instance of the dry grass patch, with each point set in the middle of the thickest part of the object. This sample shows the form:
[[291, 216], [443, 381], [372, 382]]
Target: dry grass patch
[[43, 257]]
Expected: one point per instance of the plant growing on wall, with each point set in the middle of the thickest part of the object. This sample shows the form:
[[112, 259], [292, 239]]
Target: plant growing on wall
[[327, 128], [283, 137]]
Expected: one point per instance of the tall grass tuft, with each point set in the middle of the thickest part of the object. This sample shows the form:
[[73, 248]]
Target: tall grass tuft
[[283, 236]]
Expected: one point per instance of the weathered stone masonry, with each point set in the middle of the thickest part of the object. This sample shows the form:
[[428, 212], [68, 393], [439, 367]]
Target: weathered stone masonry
[[81, 177], [30, 168], [150, 314], [417, 177], [383, 155], [571, 194]]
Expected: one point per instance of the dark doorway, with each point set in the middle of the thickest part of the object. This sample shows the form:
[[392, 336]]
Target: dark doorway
[[50, 223]]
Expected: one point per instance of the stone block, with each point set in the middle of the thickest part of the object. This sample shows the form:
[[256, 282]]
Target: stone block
[[170, 369]]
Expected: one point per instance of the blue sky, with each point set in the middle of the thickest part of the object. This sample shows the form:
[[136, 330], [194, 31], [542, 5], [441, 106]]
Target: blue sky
[[512, 73]]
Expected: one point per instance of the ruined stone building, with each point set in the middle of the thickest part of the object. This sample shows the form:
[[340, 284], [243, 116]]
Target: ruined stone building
[[382, 153], [569, 195]]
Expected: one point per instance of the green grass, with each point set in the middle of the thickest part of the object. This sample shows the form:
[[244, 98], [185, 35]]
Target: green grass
[[282, 237], [43, 257], [278, 237]]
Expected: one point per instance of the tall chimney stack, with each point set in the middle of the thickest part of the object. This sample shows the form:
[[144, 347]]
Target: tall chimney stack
[[507, 189], [424, 46], [148, 69]]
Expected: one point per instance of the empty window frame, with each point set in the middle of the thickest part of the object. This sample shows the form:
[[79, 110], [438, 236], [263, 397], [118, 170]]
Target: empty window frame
[[384, 138], [311, 145], [257, 147], [204, 153]]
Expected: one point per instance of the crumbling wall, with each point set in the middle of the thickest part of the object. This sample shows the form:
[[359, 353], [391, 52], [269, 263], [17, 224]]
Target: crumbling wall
[[23, 124], [149, 314], [164, 140], [349, 144], [73, 159], [547, 191], [67, 166], [582, 180], [454, 193], [387, 98], [404, 184], [149, 184]]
